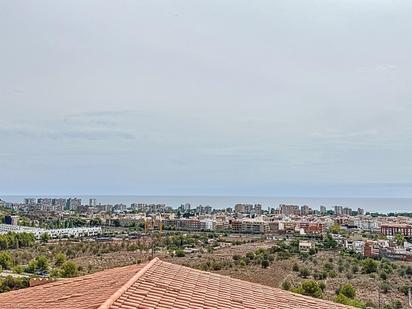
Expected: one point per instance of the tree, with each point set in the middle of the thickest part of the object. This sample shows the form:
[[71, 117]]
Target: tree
[[18, 269], [42, 263], [6, 261], [369, 266], [400, 239], [69, 269], [342, 299], [309, 288], [45, 237], [39, 264], [335, 229], [348, 290], [60, 259]]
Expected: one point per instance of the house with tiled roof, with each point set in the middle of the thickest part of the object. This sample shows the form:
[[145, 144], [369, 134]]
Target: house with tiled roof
[[157, 284]]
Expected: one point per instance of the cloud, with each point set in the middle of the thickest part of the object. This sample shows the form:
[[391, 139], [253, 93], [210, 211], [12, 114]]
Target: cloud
[[65, 132]]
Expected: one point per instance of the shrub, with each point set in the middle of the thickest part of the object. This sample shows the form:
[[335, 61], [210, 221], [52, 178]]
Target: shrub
[[45, 237], [18, 269], [39, 264], [385, 287], [322, 285], [286, 285], [6, 261], [405, 289], [69, 269], [328, 267], [342, 299], [180, 253], [60, 259], [348, 290], [309, 288], [369, 266], [265, 263], [295, 267], [304, 273]]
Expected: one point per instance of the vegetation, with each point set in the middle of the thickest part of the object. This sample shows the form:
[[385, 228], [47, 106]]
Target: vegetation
[[369, 266], [309, 288], [69, 269], [346, 295], [38, 265], [13, 240], [9, 283], [6, 260]]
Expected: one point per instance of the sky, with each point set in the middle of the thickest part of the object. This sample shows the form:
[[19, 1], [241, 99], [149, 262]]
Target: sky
[[273, 98]]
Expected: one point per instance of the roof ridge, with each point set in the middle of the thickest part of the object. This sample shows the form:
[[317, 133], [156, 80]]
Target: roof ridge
[[109, 302]]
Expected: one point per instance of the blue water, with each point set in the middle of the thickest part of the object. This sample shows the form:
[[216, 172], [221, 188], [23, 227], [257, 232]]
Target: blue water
[[382, 205]]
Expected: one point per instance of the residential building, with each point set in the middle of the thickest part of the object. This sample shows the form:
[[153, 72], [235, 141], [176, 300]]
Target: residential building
[[338, 210], [11, 220], [305, 210], [30, 201], [289, 209], [393, 229], [305, 246], [73, 203], [347, 211]]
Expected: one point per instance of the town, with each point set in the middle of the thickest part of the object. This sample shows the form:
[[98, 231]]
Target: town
[[368, 234]]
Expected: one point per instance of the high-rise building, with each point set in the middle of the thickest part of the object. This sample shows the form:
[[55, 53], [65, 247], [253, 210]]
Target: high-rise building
[[258, 209], [322, 210], [338, 210], [92, 202], [184, 207], [347, 211], [244, 208], [73, 203], [289, 209], [44, 201], [30, 201], [305, 210], [361, 211], [240, 208], [59, 204]]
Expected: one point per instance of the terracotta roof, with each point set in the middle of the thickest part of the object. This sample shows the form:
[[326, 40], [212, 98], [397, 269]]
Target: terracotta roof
[[158, 284], [84, 292]]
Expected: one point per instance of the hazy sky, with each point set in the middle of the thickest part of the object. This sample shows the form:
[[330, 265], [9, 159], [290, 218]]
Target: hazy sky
[[309, 98]]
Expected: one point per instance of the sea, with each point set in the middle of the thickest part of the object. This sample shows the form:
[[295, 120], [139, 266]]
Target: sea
[[381, 205]]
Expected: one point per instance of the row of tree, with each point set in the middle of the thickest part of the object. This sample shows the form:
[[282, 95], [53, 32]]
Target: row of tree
[[13, 240]]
